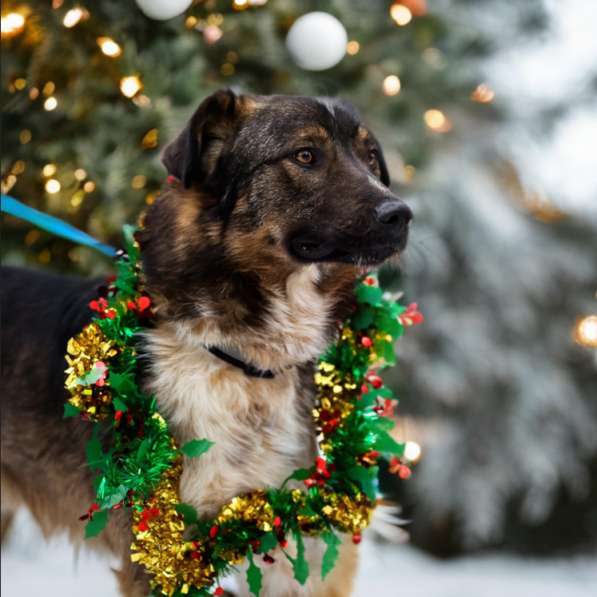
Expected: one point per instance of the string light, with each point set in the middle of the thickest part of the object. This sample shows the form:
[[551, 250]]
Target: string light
[[49, 170], [353, 47], [77, 199], [25, 136], [227, 69], [18, 167], [434, 57], [400, 14], [142, 101], [191, 22], [585, 331], [409, 173], [391, 85], [32, 237], [33, 93], [412, 451], [52, 186], [212, 34], [150, 139], [12, 24], [437, 121], [20, 84], [109, 47], [44, 256], [89, 186], [138, 181], [240, 4], [8, 183], [232, 56], [483, 94], [49, 88], [80, 174], [74, 16], [130, 86], [50, 104]]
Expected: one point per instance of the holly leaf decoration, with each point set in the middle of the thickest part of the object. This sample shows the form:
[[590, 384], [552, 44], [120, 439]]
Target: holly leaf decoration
[[188, 513], [97, 523], [94, 452], [70, 410], [116, 497], [331, 553], [369, 294], [123, 383], [299, 564], [119, 404], [365, 477], [196, 447], [300, 474], [267, 542], [384, 442], [143, 449], [254, 576], [363, 318]]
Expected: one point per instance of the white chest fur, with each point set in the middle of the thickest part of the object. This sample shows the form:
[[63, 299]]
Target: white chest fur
[[258, 426]]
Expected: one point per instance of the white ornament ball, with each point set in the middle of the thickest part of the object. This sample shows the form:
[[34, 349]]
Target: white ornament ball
[[317, 41], [162, 10]]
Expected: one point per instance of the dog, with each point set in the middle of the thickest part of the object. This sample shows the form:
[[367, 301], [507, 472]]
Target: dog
[[273, 206]]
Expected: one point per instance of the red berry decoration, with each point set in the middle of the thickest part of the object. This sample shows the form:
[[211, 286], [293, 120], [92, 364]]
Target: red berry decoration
[[213, 531], [404, 472], [143, 302], [370, 281], [356, 538], [219, 591], [366, 342]]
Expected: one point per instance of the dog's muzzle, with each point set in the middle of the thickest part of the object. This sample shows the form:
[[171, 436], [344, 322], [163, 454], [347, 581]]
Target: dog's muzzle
[[384, 236]]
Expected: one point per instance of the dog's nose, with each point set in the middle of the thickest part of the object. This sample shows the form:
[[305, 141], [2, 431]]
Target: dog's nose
[[393, 213]]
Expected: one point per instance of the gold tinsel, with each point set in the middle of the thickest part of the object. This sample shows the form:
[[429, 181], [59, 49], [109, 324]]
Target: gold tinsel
[[173, 561], [83, 351], [347, 513], [336, 394]]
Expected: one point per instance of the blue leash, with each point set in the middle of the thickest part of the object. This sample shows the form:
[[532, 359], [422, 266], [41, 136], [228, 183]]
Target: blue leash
[[15, 208]]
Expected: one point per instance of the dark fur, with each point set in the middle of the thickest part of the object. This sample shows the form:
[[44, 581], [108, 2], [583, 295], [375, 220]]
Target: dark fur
[[243, 216]]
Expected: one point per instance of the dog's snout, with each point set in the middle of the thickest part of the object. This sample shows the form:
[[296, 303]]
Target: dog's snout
[[393, 213]]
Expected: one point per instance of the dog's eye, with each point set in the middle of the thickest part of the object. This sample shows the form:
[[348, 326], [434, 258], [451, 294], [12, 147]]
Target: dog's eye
[[305, 156], [373, 157]]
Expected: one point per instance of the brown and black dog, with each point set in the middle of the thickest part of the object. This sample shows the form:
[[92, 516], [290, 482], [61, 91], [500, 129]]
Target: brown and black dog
[[274, 205]]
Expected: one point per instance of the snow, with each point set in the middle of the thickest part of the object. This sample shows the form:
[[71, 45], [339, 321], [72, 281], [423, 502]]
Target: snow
[[30, 566]]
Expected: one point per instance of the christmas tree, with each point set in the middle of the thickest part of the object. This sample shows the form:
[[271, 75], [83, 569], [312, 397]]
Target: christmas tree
[[495, 387]]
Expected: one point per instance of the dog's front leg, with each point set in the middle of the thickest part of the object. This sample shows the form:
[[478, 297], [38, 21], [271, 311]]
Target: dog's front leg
[[278, 577]]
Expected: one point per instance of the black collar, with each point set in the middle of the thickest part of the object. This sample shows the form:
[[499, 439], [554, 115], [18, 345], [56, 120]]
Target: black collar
[[248, 369]]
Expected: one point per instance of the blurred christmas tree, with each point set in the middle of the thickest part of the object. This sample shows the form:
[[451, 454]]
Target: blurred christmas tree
[[91, 93]]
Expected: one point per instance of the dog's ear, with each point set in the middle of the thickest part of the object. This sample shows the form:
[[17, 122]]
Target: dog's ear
[[193, 155]]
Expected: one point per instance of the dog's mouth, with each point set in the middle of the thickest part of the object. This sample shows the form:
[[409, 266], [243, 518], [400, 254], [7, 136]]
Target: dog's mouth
[[314, 251]]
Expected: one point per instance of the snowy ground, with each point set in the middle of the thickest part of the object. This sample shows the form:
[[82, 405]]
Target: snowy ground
[[31, 567]]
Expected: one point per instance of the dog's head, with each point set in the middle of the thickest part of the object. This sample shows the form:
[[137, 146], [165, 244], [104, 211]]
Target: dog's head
[[267, 187], [307, 169]]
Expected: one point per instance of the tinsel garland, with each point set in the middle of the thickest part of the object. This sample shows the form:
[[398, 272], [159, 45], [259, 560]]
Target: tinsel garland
[[139, 465]]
